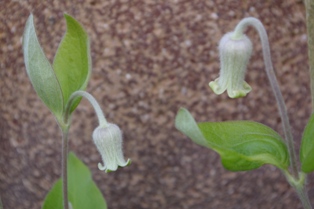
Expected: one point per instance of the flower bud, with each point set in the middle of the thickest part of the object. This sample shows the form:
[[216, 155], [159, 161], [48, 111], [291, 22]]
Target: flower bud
[[234, 57], [108, 140]]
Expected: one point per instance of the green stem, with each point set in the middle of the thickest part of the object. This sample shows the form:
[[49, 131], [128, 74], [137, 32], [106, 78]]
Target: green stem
[[300, 188], [309, 8], [65, 131], [238, 33], [64, 124], [1, 206], [100, 115], [301, 191]]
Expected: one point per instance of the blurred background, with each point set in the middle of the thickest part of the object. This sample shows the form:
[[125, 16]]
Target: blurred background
[[151, 57]]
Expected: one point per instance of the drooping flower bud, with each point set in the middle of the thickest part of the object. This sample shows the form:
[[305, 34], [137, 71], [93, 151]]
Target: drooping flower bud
[[234, 57], [108, 140]]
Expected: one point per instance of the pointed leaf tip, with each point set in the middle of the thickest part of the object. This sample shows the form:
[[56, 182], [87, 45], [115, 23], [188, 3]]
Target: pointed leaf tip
[[72, 63], [185, 123], [40, 71], [242, 145]]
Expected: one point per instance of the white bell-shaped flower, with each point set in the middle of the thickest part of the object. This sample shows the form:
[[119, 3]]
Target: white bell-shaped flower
[[108, 140], [234, 57]]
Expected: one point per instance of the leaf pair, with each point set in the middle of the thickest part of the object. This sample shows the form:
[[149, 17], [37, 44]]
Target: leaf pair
[[82, 190], [70, 70], [242, 145]]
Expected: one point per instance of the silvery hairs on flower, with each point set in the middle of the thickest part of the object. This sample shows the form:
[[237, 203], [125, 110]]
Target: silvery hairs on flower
[[108, 140], [234, 57]]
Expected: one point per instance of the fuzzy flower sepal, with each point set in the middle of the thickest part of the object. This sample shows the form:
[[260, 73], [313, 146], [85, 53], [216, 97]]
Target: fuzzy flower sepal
[[234, 57], [108, 140]]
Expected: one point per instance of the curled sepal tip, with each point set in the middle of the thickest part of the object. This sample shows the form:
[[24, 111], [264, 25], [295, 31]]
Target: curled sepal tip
[[234, 57], [104, 168], [108, 140]]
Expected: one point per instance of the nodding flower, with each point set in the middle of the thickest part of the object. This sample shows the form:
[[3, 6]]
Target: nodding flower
[[107, 136], [108, 140], [234, 57]]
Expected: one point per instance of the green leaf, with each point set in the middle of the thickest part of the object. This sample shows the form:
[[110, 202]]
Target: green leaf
[[307, 147], [82, 191], [54, 199], [72, 63], [242, 145], [40, 71]]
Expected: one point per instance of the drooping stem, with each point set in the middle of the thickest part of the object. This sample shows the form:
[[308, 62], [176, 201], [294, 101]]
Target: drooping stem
[[309, 8], [238, 32], [64, 124], [297, 180], [100, 115]]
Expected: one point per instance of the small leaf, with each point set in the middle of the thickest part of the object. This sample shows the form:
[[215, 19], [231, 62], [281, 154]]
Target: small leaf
[[307, 147], [82, 191], [72, 63], [40, 71], [242, 145]]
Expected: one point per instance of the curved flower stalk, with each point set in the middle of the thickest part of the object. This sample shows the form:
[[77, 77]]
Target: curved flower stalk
[[105, 145], [234, 57], [233, 68], [107, 136], [235, 51], [238, 34]]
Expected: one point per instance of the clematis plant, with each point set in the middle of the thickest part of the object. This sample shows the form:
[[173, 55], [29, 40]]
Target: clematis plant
[[247, 145], [61, 86]]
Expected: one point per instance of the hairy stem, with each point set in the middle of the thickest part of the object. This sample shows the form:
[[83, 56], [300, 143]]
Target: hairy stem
[[309, 8], [238, 32]]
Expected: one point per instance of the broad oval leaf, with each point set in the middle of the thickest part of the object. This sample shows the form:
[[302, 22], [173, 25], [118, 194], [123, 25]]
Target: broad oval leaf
[[72, 62], [40, 71], [82, 191], [307, 147], [242, 145]]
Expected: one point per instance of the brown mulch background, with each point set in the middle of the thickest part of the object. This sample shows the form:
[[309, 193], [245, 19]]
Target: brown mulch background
[[150, 58]]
